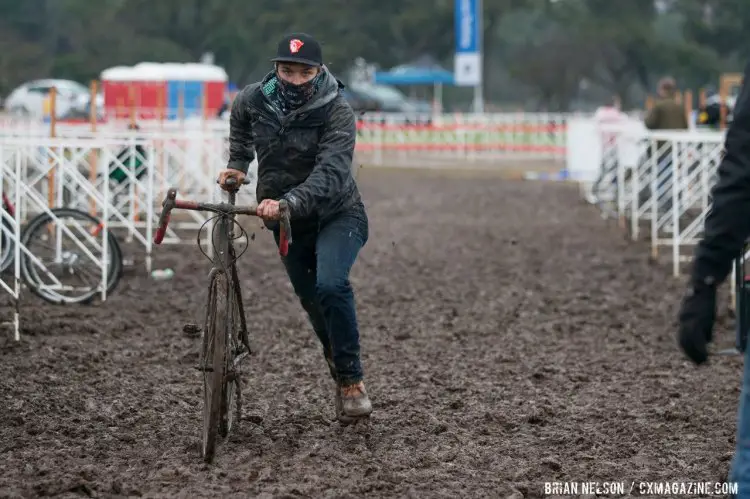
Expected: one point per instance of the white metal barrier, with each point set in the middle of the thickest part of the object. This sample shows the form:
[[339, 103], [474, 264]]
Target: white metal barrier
[[82, 159], [64, 172], [659, 178], [186, 159], [116, 175], [15, 155], [383, 137]]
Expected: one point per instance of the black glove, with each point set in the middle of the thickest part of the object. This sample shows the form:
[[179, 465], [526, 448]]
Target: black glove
[[697, 316]]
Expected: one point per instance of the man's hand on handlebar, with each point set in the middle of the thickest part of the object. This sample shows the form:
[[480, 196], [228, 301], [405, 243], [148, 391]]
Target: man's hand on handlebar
[[224, 175], [269, 210]]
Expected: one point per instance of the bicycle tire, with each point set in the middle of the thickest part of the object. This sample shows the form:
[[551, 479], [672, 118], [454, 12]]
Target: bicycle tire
[[213, 361], [8, 247], [231, 386], [30, 274]]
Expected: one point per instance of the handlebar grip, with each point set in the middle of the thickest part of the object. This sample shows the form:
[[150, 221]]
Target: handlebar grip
[[167, 205], [285, 231], [232, 181]]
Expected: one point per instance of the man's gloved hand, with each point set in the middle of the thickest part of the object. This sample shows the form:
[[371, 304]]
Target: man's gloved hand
[[697, 317], [228, 173]]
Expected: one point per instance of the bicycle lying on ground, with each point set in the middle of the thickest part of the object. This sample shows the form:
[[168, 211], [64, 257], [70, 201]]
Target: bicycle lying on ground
[[55, 261], [225, 340]]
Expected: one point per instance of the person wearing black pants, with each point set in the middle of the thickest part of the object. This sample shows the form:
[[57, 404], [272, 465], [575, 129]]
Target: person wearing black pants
[[726, 230], [303, 131]]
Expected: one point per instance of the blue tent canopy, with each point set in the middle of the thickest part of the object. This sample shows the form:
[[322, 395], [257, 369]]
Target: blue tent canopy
[[413, 75]]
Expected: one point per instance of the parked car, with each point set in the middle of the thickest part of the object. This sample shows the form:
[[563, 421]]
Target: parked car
[[391, 100], [422, 106], [361, 103], [29, 98]]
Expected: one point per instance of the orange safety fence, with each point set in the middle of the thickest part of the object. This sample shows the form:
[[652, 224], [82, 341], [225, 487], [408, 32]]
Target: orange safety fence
[[498, 147], [458, 127]]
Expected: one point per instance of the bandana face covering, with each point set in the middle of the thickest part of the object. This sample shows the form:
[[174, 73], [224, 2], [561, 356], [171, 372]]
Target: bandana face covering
[[297, 95]]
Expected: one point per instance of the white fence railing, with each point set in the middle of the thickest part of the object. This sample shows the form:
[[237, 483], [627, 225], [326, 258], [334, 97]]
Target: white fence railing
[[121, 175], [384, 137], [21, 172], [657, 182], [119, 178]]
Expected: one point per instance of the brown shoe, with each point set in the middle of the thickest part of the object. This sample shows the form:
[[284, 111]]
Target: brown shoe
[[352, 402]]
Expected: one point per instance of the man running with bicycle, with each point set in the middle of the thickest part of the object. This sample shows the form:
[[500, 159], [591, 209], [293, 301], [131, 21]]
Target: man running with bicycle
[[303, 132]]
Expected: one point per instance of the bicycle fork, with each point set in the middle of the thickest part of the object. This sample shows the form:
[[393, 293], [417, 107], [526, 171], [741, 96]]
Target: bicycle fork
[[225, 260]]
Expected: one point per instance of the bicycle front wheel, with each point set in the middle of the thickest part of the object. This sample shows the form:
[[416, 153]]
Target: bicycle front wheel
[[7, 251], [213, 361], [68, 268], [234, 349]]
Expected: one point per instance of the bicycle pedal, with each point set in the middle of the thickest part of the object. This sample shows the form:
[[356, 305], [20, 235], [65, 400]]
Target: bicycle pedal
[[192, 329]]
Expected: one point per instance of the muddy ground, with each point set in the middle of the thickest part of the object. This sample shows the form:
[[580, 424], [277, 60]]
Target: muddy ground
[[510, 337]]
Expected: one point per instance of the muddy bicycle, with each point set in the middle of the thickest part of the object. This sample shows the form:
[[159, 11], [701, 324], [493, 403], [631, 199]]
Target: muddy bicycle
[[225, 342]]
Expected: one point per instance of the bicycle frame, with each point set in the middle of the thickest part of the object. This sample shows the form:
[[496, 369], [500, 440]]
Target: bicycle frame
[[227, 353], [225, 261], [222, 237]]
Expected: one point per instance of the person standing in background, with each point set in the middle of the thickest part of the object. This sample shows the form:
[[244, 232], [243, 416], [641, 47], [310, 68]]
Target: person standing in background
[[666, 114]]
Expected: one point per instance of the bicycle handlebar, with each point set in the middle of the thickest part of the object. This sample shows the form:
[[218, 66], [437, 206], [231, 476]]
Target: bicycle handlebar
[[171, 202], [167, 206]]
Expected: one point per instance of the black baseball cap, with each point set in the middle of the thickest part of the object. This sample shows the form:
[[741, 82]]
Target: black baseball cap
[[301, 48]]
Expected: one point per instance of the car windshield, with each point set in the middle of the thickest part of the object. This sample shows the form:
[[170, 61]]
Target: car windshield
[[71, 87], [77, 87], [39, 90], [382, 92]]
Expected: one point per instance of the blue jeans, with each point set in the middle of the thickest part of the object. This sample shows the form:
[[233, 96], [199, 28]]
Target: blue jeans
[[318, 265], [741, 463]]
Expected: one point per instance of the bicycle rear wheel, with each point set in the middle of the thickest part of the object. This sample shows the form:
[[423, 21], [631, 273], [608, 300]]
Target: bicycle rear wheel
[[213, 361]]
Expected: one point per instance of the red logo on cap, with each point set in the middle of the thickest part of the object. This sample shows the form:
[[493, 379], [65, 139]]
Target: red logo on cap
[[295, 45]]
